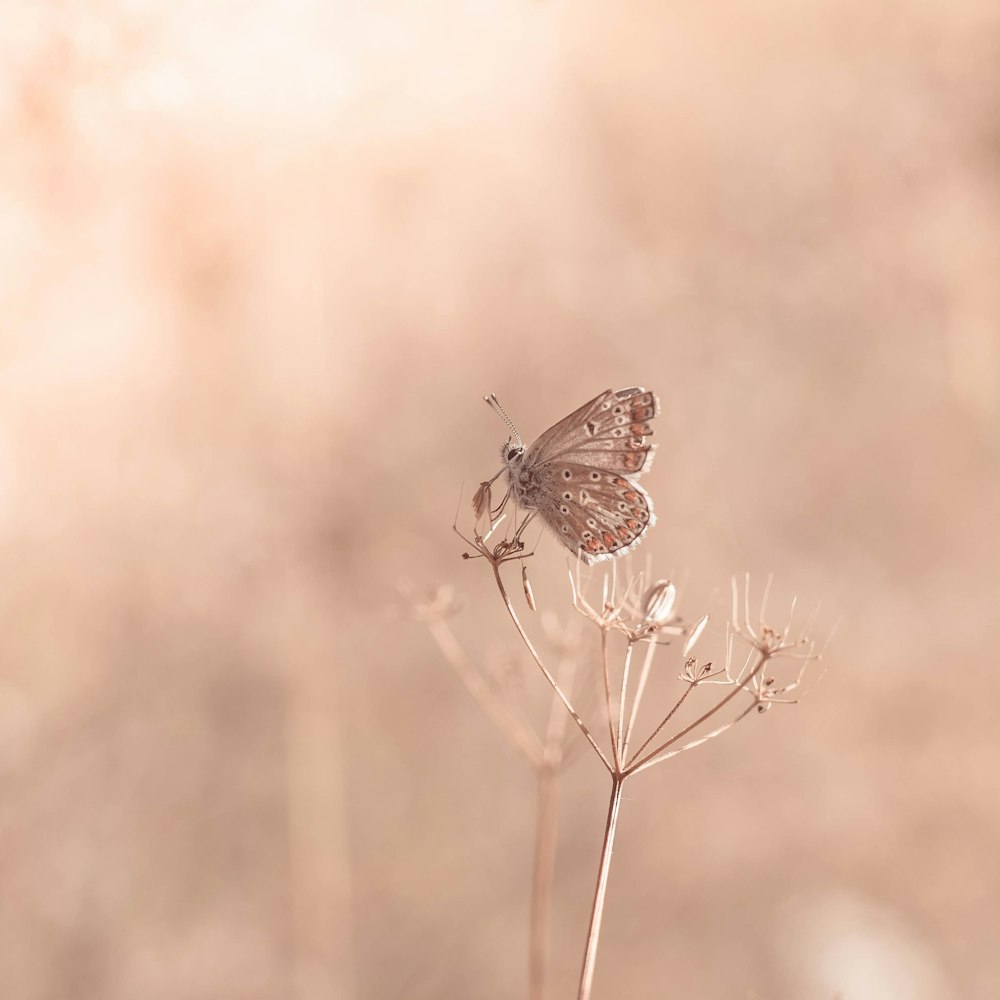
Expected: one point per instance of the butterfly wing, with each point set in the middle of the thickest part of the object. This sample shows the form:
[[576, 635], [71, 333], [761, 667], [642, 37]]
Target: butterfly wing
[[597, 514], [610, 433]]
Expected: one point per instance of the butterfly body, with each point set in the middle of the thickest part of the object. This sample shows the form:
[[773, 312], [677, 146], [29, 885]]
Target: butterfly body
[[526, 480], [579, 476]]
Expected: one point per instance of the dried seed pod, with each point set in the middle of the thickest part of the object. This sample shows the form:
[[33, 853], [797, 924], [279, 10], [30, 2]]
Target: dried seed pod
[[695, 635], [528, 593], [658, 603]]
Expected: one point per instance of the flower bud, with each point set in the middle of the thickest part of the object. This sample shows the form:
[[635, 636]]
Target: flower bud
[[658, 603]]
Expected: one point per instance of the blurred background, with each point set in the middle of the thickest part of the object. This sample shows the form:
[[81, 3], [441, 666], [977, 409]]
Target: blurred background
[[258, 265]]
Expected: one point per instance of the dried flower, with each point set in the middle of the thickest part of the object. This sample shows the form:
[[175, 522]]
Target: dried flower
[[482, 500]]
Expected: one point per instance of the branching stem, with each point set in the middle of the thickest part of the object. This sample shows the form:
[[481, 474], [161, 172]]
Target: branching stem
[[762, 658]]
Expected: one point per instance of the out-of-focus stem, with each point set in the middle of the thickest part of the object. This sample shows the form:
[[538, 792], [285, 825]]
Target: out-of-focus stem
[[545, 670], [597, 913], [546, 830], [546, 836], [516, 732]]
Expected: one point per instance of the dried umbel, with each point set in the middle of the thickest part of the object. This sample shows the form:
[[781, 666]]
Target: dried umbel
[[715, 694]]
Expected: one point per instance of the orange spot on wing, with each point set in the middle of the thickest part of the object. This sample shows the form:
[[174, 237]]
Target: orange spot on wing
[[607, 538]]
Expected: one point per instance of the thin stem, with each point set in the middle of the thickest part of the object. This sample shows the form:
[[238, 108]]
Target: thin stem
[[643, 676], [621, 704], [763, 601], [548, 676], [695, 743], [758, 666], [597, 913], [656, 732], [607, 693]]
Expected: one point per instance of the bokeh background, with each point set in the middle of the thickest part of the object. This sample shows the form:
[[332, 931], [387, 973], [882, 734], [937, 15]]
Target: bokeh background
[[258, 265]]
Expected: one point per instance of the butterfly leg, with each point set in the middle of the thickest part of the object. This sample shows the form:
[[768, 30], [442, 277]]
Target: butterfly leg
[[498, 510], [516, 540]]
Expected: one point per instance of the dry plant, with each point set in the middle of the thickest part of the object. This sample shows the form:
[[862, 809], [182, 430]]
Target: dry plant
[[637, 616]]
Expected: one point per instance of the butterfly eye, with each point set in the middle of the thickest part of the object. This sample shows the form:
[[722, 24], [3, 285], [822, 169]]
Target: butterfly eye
[[513, 453]]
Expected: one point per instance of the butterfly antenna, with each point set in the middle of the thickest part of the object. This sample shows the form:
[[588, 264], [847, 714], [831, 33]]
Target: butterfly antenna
[[495, 403]]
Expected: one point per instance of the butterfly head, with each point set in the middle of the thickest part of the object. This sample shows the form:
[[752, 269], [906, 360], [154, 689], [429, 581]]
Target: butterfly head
[[511, 452]]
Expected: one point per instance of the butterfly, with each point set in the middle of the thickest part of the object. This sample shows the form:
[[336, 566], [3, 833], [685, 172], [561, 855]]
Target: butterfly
[[579, 476]]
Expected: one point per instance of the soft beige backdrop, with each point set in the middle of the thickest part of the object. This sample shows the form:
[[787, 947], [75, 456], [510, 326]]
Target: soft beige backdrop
[[259, 263]]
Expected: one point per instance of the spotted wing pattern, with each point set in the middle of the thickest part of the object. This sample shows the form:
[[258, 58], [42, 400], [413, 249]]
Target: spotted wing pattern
[[597, 514], [610, 433]]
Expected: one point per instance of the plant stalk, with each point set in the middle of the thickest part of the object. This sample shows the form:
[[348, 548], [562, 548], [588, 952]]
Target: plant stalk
[[597, 913], [541, 882]]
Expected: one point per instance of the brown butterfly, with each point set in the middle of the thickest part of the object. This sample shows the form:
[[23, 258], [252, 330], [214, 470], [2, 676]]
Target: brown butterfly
[[580, 475]]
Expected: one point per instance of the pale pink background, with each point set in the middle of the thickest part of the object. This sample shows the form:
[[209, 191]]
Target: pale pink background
[[259, 263]]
